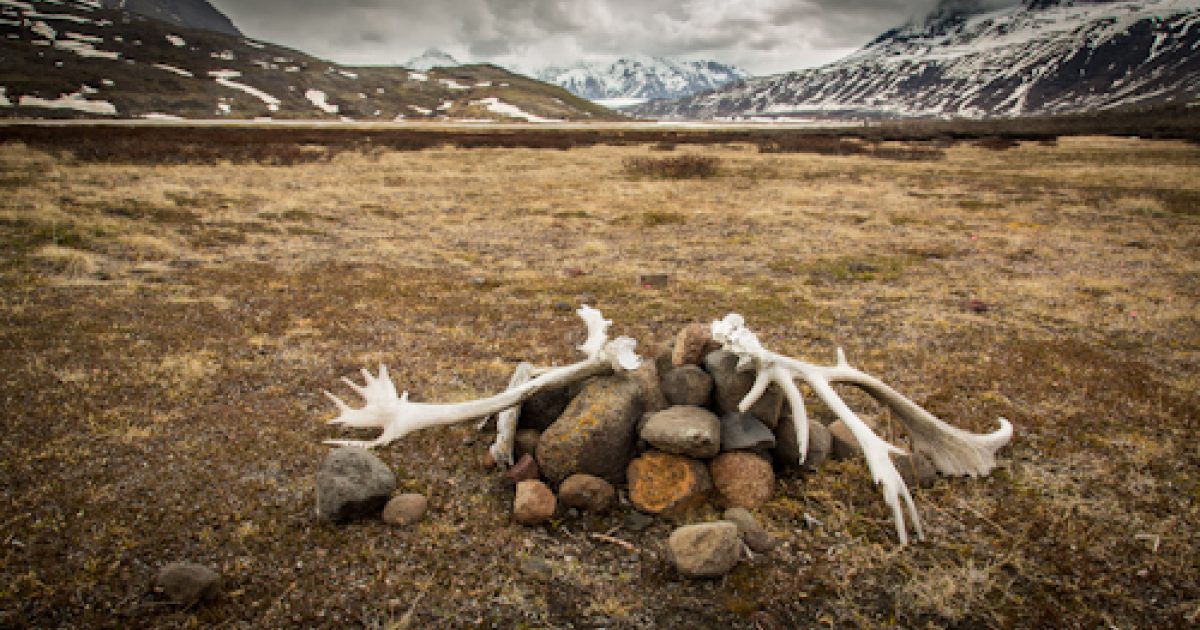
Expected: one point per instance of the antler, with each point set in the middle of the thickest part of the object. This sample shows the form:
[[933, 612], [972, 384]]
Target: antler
[[398, 417], [952, 450]]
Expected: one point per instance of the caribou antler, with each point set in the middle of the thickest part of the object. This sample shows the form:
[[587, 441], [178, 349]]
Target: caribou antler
[[399, 417], [952, 450]]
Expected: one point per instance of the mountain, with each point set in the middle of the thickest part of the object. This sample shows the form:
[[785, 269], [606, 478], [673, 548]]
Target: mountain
[[969, 60], [190, 13], [430, 59], [641, 78], [61, 58]]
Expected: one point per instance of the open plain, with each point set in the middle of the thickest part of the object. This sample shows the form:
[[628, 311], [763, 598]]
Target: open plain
[[167, 328]]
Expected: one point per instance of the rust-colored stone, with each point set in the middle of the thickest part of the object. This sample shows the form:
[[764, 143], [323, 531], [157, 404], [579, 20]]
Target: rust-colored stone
[[667, 484], [742, 479]]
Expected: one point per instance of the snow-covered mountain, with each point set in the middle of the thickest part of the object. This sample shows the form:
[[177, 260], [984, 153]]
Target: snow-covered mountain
[[964, 60], [641, 77], [430, 59], [190, 13]]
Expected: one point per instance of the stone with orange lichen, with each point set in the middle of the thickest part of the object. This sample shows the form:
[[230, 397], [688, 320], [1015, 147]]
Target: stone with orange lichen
[[667, 484]]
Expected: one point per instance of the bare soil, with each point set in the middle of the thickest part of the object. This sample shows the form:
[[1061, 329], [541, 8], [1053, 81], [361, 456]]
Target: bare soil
[[167, 331]]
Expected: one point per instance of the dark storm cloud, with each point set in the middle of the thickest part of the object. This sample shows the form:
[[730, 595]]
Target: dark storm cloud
[[761, 35]]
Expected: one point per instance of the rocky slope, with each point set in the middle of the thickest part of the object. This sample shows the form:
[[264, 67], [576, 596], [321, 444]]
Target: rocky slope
[[78, 59], [190, 13], [642, 78], [1040, 57]]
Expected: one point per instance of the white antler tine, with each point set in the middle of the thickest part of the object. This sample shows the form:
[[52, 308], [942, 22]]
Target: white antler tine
[[370, 378], [912, 511], [339, 403], [841, 358], [358, 389]]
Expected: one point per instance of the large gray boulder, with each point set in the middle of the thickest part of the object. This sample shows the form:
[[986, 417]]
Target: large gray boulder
[[691, 431], [596, 434], [730, 386], [353, 483]]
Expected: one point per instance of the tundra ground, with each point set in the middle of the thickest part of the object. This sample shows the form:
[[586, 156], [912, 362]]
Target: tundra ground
[[167, 332]]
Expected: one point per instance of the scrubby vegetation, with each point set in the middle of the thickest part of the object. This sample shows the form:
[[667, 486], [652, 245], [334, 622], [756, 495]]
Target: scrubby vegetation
[[167, 325], [688, 166]]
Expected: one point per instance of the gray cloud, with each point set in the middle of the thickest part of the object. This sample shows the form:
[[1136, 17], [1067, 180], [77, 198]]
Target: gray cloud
[[763, 36]]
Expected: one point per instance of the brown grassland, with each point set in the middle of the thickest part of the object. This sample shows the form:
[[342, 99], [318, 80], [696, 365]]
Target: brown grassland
[[167, 330]]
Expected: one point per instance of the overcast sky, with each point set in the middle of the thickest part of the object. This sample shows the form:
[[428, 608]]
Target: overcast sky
[[761, 36]]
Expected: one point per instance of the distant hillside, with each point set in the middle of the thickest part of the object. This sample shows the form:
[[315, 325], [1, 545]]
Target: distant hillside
[[76, 59], [1041, 57]]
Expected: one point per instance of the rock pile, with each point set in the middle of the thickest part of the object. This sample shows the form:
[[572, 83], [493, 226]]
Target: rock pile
[[671, 432]]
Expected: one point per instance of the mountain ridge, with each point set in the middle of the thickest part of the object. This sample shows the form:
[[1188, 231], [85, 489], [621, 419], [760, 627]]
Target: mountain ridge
[[1040, 57], [641, 77]]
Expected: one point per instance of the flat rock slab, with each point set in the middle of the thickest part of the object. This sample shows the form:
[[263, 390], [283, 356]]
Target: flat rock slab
[[684, 430], [743, 431], [353, 483]]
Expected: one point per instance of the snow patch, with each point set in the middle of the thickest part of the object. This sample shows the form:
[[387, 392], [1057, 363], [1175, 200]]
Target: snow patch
[[347, 74], [418, 76], [43, 29], [85, 49], [454, 85], [318, 99], [421, 110], [497, 106], [4, 102], [74, 101], [617, 103], [253, 44], [159, 116], [85, 38], [169, 68], [224, 55], [176, 40], [224, 77]]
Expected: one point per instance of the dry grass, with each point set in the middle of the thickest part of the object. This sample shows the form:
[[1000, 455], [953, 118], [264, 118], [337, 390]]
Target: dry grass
[[169, 407]]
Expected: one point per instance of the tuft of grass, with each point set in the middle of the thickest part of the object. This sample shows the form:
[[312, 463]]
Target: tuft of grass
[[68, 262], [655, 218], [147, 247], [688, 166]]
